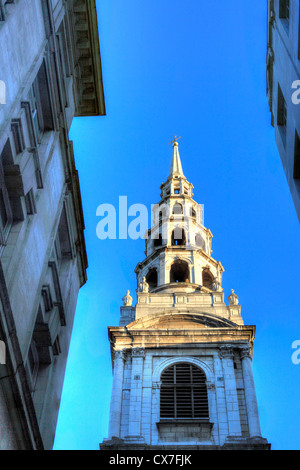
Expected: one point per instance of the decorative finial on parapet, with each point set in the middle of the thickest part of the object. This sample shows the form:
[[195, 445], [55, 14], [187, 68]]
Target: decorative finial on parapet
[[144, 286], [233, 298], [127, 300], [217, 285]]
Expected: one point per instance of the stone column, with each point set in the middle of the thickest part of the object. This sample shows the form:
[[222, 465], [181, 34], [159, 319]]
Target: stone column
[[233, 413], [135, 406], [251, 402], [116, 395]]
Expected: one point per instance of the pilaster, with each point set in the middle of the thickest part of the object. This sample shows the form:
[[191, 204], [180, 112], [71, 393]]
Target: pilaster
[[250, 395], [234, 423], [135, 405], [116, 396]]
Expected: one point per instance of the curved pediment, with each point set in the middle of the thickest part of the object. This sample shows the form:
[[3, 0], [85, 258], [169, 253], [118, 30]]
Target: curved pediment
[[183, 321]]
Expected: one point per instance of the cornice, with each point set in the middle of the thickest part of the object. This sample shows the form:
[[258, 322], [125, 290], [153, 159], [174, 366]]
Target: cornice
[[89, 82]]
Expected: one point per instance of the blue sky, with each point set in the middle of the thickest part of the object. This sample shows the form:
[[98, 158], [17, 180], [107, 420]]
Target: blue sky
[[195, 69]]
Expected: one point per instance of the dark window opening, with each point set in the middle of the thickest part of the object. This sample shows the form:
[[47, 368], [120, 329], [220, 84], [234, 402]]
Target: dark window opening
[[207, 279], [180, 272], [63, 244], [183, 393], [30, 203], [178, 237], [193, 213], [282, 109], [284, 9], [297, 156], [151, 278], [158, 241], [6, 212], [18, 136], [40, 102]]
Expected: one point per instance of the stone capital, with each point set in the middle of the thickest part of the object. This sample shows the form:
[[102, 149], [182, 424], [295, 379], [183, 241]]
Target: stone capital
[[138, 352], [245, 353], [226, 352], [119, 355]]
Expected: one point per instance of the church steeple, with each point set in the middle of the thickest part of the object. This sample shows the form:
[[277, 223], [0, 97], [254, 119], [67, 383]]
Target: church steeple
[[182, 356], [178, 233]]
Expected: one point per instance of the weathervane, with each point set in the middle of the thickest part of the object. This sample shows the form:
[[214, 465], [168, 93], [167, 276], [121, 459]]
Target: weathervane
[[174, 141]]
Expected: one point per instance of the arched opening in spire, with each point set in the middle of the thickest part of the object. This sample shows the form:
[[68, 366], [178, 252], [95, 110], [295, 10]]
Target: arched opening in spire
[[152, 278], [193, 213], [158, 241], [160, 235], [178, 209], [178, 237], [207, 279], [180, 272], [199, 241]]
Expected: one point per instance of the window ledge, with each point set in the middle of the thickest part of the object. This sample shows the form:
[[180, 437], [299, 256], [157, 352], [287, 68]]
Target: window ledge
[[184, 422], [187, 428]]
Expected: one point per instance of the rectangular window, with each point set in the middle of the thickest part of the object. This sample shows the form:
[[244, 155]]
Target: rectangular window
[[284, 9], [17, 132], [30, 203], [297, 156], [282, 109], [47, 298], [39, 97], [6, 214], [34, 363], [56, 347], [3, 210], [2, 13]]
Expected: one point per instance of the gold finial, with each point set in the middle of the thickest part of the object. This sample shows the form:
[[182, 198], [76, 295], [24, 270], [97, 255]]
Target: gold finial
[[174, 141]]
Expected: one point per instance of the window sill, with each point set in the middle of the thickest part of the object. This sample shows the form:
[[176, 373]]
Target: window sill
[[193, 428], [184, 422]]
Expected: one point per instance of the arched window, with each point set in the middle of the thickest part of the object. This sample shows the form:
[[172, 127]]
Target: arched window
[[183, 393], [207, 279], [178, 209], [178, 237], [180, 272], [151, 278]]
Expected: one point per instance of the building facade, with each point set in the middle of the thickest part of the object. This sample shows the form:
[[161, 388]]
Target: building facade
[[50, 71], [182, 358], [283, 87]]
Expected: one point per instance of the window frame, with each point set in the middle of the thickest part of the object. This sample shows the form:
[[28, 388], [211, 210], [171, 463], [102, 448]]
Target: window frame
[[5, 227], [183, 386]]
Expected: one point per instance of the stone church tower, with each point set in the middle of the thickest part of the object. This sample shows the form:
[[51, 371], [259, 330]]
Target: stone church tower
[[182, 358]]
